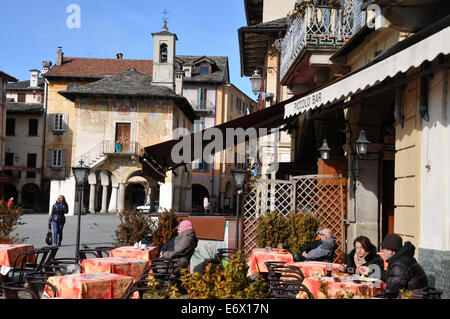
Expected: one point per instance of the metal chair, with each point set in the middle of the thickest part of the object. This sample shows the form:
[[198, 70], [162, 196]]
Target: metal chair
[[13, 290], [224, 255], [285, 281]]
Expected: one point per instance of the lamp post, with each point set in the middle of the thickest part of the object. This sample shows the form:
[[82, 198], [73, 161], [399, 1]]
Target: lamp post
[[80, 173], [324, 150], [255, 81], [239, 176], [361, 145]]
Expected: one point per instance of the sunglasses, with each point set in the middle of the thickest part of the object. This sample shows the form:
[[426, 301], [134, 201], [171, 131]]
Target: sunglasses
[[320, 234]]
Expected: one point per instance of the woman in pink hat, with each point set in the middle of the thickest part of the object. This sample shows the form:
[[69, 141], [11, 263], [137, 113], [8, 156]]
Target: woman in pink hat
[[184, 246]]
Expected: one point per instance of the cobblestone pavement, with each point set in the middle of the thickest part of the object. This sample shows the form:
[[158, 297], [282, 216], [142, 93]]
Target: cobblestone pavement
[[96, 230]]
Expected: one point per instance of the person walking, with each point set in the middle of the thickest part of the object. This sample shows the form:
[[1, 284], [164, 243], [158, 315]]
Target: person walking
[[10, 202], [57, 219]]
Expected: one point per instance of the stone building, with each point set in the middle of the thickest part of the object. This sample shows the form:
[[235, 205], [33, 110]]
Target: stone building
[[102, 111], [25, 143], [4, 79]]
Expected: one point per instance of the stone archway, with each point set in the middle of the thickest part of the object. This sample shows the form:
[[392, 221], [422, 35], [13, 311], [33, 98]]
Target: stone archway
[[199, 192], [30, 196]]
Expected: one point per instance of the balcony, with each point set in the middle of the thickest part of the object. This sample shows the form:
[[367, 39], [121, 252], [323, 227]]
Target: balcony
[[98, 153], [321, 29], [202, 106]]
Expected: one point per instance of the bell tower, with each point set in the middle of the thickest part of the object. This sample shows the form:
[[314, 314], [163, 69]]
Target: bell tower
[[164, 58]]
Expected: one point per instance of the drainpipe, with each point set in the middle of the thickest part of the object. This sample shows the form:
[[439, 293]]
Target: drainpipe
[[44, 133]]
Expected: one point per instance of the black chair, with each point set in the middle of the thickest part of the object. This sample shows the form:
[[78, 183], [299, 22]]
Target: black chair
[[104, 251], [285, 281], [224, 255], [13, 290], [161, 272], [26, 262]]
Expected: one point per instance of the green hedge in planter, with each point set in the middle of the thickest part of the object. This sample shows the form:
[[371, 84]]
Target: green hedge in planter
[[292, 232]]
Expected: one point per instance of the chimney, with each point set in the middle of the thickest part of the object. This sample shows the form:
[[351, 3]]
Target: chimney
[[119, 56], [46, 65], [34, 77], [59, 56], [187, 70], [179, 82]]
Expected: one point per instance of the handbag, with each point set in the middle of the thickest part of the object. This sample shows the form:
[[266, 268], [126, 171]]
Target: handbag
[[49, 237]]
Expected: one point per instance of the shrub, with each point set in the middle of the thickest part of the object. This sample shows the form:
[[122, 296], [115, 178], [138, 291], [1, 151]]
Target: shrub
[[217, 282], [167, 228], [271, 228], [133, 227], [293, 232], [301, 229], [9, 221]]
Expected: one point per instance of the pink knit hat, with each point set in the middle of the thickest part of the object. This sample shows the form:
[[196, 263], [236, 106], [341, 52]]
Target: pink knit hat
[[185, 225]]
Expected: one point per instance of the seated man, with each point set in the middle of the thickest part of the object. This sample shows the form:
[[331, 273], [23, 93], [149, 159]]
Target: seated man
[[319, 250], [403, 271]]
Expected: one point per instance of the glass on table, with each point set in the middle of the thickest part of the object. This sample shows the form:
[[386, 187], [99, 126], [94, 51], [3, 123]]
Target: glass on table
[[329, 268], [351, 270], [268, 246]]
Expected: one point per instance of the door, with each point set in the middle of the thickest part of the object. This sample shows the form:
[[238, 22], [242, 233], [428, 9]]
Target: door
[[123, 133]]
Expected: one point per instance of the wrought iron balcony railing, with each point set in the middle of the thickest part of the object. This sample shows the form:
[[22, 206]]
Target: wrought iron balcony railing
[[320, 26], [203, 106]]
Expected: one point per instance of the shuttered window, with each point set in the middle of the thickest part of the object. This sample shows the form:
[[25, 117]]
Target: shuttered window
[[58, 123], [56, 158]]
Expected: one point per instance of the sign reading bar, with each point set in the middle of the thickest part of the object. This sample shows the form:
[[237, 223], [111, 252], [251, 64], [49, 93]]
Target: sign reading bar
[[303, 104]]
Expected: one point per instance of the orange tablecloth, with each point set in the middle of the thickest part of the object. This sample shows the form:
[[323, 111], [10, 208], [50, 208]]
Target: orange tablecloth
[[314, 268], [131, 252], [123, 266], [8, 253], [97, 285], [344, 287], [259, 256]]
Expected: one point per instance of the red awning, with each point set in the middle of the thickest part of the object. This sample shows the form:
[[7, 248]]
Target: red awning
[[157, 160]]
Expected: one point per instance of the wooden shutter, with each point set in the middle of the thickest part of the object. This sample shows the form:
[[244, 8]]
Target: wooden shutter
[[50, 158], [63, 158], [65, 126], [51, 122]]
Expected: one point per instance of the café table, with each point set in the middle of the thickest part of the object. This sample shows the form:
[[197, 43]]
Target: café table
[[314, 268], [97, 285], [261, 255], [146, 254], [341, 287], [9, 252], [132, 267]]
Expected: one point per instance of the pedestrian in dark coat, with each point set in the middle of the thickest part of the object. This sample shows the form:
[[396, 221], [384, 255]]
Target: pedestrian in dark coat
[[403, 272], [184, 246], [57, 219]]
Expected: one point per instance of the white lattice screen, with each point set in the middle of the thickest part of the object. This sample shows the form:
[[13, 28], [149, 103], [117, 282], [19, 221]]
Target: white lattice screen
[[322, 195]]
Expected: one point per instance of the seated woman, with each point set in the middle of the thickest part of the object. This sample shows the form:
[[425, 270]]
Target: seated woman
[[183, 246], [363, 255]]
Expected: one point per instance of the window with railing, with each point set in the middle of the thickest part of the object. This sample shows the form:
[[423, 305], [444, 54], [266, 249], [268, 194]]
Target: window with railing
[[202, 98]]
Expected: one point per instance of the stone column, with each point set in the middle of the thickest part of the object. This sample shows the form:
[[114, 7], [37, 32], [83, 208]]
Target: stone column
[[121, 198], [113, 201], [104, 199], [92, 199], [92, 179]]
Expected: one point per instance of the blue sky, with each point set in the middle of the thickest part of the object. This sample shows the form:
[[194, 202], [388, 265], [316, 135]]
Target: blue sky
[[32, 31]]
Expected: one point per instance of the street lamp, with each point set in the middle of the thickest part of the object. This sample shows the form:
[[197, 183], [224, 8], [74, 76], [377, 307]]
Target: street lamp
[[324, 150], [255, 81], [361, 144], [80, 173], [239, 176]]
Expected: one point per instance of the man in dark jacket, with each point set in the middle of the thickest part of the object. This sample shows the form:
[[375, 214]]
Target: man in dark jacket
[[319, 250], [403, 271]]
